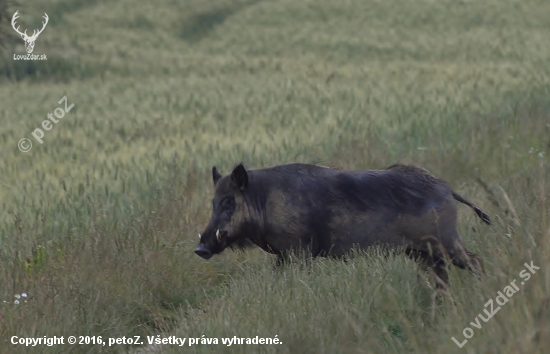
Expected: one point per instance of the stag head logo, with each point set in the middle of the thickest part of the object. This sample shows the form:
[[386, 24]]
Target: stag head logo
[[29, 40]]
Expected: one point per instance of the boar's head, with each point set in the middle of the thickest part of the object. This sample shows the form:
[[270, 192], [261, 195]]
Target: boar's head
[[229, 221]]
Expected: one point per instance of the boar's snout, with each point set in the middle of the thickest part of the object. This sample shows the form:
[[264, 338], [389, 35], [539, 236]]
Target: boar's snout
[[203, 252]]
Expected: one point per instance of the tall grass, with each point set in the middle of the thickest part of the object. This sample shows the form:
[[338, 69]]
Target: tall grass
[[99, 222]]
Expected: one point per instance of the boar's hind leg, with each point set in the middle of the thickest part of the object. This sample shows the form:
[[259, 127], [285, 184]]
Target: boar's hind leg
[[459, 255], [433, 264], [465, 259]]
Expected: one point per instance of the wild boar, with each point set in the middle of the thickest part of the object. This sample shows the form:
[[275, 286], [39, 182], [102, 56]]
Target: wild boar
[[327, 212]]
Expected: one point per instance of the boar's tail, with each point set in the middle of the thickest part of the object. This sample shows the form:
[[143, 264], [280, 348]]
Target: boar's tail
[[478, 211]]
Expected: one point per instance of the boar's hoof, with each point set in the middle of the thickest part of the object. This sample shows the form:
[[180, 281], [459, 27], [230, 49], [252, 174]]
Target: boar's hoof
[[203, 252]]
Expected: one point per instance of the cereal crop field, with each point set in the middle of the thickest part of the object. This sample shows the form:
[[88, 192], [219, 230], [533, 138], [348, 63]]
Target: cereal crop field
[[99, 219]]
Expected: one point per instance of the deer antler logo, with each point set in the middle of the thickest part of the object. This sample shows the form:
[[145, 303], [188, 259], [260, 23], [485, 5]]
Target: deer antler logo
[[29, 40]]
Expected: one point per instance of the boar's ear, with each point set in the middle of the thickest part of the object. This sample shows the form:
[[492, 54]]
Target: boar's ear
[[215, 175], [239, 177]]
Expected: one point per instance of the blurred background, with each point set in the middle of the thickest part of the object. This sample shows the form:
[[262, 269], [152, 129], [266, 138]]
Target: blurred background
[[99, 221]]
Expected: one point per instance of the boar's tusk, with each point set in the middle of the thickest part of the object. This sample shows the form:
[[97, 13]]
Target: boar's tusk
[[218, 235], [199, 236]]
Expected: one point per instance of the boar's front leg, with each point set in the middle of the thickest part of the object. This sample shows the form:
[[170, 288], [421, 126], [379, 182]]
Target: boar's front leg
[[288, 256], [283, 258]]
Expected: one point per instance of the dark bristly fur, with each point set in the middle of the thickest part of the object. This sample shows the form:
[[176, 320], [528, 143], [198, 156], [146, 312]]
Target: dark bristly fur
[[326, 212]]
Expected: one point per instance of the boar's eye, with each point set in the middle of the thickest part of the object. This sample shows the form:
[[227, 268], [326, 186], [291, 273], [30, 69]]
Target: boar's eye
[[228, 205], [230, 201]]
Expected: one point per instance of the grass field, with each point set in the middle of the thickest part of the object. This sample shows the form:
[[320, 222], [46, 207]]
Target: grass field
[[99, 222]]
